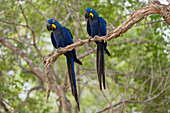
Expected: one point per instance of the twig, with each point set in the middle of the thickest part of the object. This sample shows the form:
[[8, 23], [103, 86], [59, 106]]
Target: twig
[[13, 23], [60, 106], [136, 41], [32, 89], [4, 106], [65, 19], [22, 10], [38, 10], [148, 23], [135, 102], [86, 54], [151, 84], [21, 42], [68, 10], [107, 100], [59, 1], [33, 34], [119, 19]]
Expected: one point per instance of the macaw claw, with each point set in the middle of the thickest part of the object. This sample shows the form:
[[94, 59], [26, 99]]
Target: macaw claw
[[89, 38], [58, 50]]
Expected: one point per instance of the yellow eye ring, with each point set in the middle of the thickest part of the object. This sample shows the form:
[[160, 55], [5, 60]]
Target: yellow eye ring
[[53, 21], [91, 10]]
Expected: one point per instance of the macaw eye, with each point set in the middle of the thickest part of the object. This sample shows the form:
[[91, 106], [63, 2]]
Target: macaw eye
[[91, 10], [53, 21]]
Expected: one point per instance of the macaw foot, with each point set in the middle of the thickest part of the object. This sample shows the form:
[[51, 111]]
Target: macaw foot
[[95, 37], [58, 50], [89, 38]]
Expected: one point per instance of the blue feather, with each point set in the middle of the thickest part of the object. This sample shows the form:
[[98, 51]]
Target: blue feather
[[53, 40], [97, 26], [61, 37]]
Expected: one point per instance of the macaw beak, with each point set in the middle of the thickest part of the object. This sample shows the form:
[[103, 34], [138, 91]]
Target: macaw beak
[[86, 15], [49, 26], [91, 15]]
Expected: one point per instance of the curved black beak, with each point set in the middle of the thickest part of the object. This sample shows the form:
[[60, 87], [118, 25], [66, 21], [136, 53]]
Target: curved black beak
[[86, 15], [49, 26]]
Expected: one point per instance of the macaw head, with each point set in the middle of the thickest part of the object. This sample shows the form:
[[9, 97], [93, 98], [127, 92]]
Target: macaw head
[[90, 13], [53, 24]]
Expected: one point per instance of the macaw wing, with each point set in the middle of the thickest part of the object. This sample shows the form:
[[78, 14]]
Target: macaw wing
[[88, 28], [69, 32], [53, 40], [67, 36], [102, 27]]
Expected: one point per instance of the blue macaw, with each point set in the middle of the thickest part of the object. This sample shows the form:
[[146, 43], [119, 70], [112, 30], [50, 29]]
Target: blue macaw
[[61, 37], [97, 26]]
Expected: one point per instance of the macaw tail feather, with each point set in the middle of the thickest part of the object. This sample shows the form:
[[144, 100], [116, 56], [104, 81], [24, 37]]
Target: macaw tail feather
[[70, 65], [77, 60], [107, 52], [101, 64]]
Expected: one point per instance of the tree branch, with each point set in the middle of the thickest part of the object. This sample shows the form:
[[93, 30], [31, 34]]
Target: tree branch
[[13, 23], [32, 89], [38, 10], [58, 90], [4, 106]]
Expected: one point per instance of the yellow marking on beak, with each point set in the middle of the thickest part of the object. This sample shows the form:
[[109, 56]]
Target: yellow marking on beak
[[91, 15], [53, 26]]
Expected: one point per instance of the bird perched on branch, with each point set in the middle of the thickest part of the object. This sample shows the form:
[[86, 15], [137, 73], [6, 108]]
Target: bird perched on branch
[[97, 26], [61, 37]]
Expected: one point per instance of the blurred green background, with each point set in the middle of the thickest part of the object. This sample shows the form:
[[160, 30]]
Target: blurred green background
[[138, 69]]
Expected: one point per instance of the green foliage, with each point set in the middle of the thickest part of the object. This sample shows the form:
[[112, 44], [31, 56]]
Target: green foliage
[[141, 54]]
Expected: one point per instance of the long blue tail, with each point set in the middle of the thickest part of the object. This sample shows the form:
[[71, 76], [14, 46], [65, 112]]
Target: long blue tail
[[70, 65], [101, 64]]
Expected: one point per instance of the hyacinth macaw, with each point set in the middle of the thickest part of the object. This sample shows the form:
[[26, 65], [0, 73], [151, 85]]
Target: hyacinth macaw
[[61, 37], [97, 26]]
